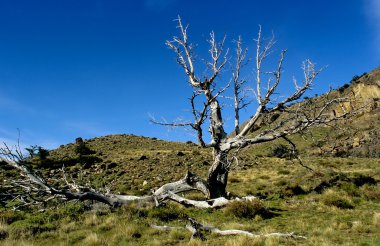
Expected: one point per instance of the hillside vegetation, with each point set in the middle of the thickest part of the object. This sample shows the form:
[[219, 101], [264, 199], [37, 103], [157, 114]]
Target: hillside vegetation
[[356, 136], [335, 203]]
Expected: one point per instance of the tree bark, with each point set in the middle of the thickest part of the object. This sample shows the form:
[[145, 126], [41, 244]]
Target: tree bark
[[218, 175]]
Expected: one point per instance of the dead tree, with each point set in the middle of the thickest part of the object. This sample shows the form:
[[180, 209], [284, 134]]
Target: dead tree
[[287, 116], [298, 118], [283, 117]]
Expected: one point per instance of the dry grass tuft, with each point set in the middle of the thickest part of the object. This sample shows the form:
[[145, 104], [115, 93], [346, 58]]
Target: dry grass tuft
[[248, 209], [93, 240], [337, 199], [376, 219]]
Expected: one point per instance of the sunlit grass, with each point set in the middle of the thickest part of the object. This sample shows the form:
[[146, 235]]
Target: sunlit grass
[[343, 214]]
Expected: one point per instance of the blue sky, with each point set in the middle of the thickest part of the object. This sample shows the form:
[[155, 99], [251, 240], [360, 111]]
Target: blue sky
[[89, 68]]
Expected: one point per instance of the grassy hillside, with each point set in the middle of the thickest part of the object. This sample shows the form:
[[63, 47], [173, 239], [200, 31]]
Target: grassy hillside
[[355, 136], [338, 203]]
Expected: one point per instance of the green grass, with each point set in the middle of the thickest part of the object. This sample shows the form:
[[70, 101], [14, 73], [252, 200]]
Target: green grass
[[345, 212]]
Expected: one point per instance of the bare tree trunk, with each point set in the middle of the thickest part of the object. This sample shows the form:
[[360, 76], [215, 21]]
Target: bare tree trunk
[[237, 120], [218, 175]]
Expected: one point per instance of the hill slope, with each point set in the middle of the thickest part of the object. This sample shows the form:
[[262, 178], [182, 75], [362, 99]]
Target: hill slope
[[357, 135], [336, 204]]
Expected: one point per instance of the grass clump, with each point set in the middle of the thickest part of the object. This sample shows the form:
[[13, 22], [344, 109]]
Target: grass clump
[[4, 228], [167, 213], [282, 151], [29, 227], [178, 235], [93, 239], [248, 209], [293, 190], [336, 199], [371, 192]]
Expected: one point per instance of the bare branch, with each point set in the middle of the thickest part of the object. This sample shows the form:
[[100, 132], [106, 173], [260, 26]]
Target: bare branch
[[180, 45], [216, 50], [261, 55], [239, 95], [152, 120], [199, 118]]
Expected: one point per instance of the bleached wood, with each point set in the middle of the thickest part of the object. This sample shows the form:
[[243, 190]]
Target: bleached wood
[[196, 229]]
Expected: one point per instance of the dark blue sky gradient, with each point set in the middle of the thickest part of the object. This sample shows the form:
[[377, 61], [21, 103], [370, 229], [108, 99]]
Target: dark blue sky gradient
[[88, 68]]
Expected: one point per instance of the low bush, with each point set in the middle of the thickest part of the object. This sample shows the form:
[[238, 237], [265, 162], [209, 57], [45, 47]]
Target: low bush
[[370, 192], [336, 199], [9, 216], [167, 213], [4, 228], [282, 151], [30, 227], [248, 209], [133, 211], [361, 179], [293, 190]]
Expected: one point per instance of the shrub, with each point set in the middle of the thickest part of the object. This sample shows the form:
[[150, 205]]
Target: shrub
[[178, 235], [3, 230], [281, 182], [30, 226], [361, 179], [32, 150], [285, 172], [345, 86], [195, 152], [133, 211], [339, 200], [37, 151], [8, 216], [318, 143], [42, 153], [355, 78], [248, 209], [166, 214], [234, 180], [274, 117], [81, 148], [282, 151], [341, 153], [350, 188], [371, 192], [292, 190]]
